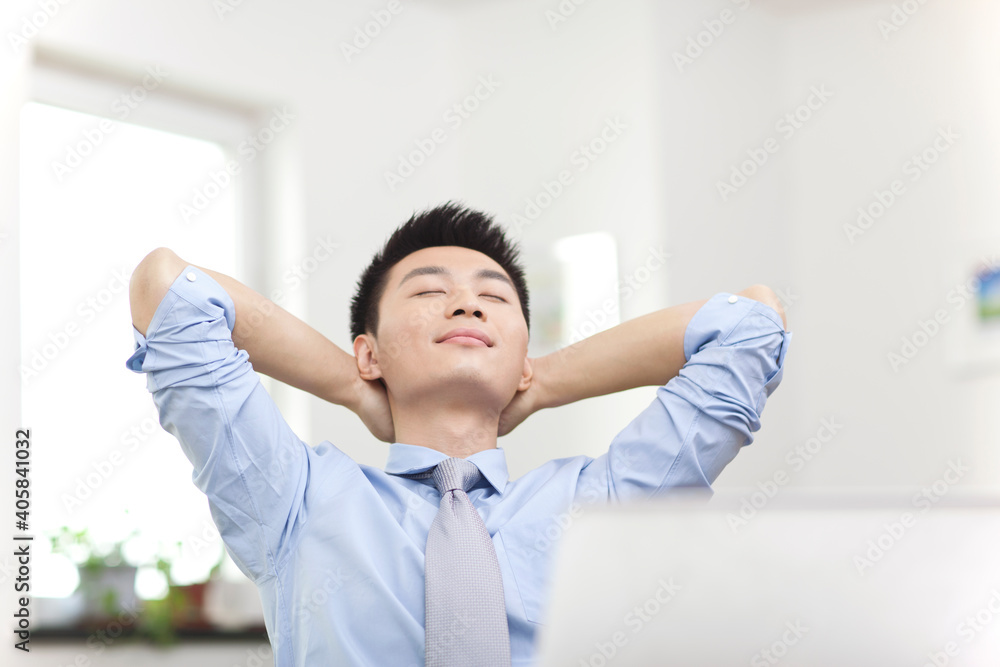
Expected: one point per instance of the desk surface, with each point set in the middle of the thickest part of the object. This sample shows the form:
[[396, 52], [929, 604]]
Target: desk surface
[[807, 580]]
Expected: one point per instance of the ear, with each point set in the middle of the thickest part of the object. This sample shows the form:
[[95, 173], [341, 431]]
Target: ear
[[526, 375], [365, 351]]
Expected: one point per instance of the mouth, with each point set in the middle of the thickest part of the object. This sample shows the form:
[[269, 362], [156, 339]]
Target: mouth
[[465, 340], [467, 336]]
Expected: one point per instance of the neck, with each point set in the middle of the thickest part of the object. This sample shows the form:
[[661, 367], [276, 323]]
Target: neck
[[455, 429]]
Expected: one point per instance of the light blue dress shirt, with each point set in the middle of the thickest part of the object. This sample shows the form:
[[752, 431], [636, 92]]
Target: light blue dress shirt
[[336, 548]]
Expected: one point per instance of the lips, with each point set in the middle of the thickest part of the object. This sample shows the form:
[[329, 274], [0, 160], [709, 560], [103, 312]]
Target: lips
[[463, 336]]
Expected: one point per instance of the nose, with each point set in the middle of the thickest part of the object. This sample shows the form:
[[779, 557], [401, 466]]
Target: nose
[[466, 302]]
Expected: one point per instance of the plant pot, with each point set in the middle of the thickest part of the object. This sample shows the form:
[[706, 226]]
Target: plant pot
[[233, 605], [189, 609], [107, 590]]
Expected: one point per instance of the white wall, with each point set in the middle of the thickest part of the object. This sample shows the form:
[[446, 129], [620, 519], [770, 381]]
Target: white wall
[[892, 92], [888, 92], [561, 88]]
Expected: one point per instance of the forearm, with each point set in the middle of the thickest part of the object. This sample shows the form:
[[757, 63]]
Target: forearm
[[647, 350], [287, 349], [278, 344]]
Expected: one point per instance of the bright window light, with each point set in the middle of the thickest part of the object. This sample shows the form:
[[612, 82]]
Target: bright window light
[[589, 268], [94, 202]]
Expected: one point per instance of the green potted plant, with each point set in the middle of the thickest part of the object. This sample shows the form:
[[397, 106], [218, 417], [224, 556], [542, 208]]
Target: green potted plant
[[107, 585], [107, 581], [189, 612], [157, 620], [183, 608]]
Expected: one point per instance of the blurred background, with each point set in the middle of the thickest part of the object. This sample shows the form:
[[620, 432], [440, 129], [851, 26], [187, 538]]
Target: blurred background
[[644, 154]]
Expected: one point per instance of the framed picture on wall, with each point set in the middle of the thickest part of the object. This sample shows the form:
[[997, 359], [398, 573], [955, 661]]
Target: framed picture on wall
[[973, 312], [988, 300]]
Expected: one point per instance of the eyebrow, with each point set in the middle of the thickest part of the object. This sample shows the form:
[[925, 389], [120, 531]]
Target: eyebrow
[[437, 270]]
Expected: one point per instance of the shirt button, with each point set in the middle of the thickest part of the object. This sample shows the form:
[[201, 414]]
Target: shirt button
[[732, 299], [191, 276]]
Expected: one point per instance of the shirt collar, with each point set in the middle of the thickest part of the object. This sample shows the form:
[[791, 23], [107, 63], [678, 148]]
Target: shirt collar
[[407, 459]]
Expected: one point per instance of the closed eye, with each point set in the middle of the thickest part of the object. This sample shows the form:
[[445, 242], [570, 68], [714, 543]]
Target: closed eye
[[493, 296]]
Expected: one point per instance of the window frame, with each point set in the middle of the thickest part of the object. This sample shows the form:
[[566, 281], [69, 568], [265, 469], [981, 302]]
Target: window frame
[[266, 186]]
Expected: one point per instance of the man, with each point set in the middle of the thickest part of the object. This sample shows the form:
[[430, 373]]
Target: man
[[440, 370]]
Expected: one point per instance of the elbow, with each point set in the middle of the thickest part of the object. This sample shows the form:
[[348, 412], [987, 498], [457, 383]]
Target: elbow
[[155, 259], [768, 297], [149, 283], [152, 271]]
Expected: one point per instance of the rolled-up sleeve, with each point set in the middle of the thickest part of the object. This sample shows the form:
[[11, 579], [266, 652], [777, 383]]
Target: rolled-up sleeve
[[734, 350], [246, 458]]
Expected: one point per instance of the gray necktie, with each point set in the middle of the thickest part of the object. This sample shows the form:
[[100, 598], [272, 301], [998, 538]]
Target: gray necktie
[[466, 618]]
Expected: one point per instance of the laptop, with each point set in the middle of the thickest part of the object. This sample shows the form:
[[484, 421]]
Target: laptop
[[798, 578]]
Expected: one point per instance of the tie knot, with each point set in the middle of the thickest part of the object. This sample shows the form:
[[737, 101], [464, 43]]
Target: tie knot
[[455, 473]]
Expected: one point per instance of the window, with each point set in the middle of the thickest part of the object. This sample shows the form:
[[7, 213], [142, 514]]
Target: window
[[590, 285], [111, 167], [92, 204], [574, 289]]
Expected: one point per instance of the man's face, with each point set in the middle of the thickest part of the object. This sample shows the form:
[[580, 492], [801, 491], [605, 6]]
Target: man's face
[[429, 294]]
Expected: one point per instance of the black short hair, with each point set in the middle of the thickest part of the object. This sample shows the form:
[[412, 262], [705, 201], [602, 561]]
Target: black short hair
[[449, 224]]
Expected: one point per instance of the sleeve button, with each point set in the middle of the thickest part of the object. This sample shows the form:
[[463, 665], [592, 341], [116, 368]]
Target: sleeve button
[[732, 299], [191, 276]]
